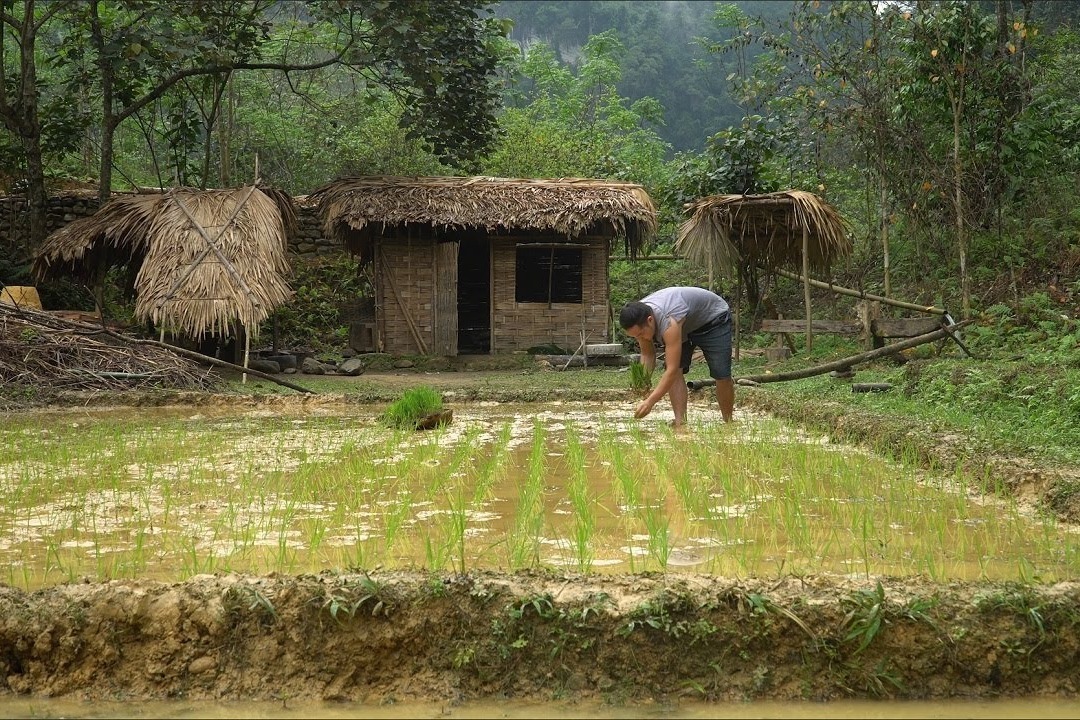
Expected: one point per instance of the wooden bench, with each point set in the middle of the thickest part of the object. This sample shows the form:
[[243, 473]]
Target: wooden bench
[[880, 330]]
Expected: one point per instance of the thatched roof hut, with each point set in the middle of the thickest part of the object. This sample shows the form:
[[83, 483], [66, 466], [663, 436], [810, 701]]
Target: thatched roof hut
[[352, 207], [765, 230], [742, 234], [206, 258], [485, 265]]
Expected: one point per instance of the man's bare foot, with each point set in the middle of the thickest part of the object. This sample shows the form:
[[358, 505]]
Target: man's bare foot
[[679, 426]]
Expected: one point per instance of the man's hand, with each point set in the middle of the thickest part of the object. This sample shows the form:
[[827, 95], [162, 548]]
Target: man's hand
[[644, 408]]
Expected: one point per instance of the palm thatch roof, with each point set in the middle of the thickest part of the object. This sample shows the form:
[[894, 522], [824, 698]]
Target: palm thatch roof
[[763, 231], [115, 235], [184, 283], [351, 207]]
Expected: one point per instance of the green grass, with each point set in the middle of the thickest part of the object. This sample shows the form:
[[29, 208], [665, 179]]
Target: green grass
[[414, 404]]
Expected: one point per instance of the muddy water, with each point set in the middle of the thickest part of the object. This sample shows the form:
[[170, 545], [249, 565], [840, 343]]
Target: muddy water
[[1040, 708], [168, 494]]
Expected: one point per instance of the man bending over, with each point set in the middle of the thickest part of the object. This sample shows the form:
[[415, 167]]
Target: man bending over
[[679, 319]]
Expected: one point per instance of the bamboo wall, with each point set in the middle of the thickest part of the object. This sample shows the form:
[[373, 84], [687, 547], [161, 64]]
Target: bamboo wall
[[520, 326], [515, 326], [412, 263]]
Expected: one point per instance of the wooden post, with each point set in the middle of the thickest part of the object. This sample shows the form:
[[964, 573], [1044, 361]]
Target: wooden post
[[735, 316], [806, 286], [247, 354]]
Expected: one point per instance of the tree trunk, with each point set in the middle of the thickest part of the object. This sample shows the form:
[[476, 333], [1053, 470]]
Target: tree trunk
[[21, 118], [108, 119], [36, 195]]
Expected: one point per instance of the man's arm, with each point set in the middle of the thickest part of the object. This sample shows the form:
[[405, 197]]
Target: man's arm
[[672, 367]]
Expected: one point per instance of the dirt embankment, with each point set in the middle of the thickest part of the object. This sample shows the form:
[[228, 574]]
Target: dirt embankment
[[414, 636]]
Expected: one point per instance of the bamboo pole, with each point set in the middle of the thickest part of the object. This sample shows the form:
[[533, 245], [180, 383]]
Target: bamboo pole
[[844, 363], [806, 287], [860, 294], [247, 354]]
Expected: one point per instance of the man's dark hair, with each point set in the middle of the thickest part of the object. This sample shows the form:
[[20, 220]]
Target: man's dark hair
[[634, 313]]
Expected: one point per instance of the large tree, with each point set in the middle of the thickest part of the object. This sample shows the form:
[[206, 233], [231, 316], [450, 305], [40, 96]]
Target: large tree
[[20, 95], [438, 59]]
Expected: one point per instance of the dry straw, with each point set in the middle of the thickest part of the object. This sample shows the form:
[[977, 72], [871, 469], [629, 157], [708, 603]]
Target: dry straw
[[568, 206], [763, 230], [183, 283]]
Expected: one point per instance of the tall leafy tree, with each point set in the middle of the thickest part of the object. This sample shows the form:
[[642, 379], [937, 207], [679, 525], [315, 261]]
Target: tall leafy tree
[[570, 123], [435, 57], [20, 97]]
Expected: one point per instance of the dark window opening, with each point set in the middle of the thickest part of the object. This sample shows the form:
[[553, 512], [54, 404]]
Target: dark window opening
[[548, 275]]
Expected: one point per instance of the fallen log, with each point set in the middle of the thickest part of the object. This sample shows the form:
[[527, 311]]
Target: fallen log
[[211, 360], [844, 363]]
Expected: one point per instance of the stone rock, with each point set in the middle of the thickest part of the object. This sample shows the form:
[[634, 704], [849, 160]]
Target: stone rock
[[312, 366], [403, 363], [352, 366], [263, 365], [284, 360], [202, 664]]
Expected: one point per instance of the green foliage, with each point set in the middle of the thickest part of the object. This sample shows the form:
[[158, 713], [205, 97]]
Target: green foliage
[[576, 125], [324, 287], [414, 404], [866, 617], [343, 604], [640, 377]]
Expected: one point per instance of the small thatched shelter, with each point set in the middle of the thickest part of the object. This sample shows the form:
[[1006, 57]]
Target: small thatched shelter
[[205, 258], [486, 265], [744, 234]]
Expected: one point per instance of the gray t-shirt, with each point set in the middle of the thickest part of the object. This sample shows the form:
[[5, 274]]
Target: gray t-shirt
[[697, 305]]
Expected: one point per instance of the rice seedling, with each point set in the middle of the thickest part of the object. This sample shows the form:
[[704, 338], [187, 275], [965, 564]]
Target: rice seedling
[[581, 501], [640, 377], [414, 404], [166, 494], [524, 540]]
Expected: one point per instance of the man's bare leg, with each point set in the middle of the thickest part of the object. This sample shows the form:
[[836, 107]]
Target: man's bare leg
[[678, 395], [725, 397]]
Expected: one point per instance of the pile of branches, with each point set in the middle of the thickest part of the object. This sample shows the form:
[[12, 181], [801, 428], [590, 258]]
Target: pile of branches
[[40, 350]]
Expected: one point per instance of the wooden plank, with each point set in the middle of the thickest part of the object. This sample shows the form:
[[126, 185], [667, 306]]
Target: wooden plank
[[823, 326], [906, 327], [446, 298]]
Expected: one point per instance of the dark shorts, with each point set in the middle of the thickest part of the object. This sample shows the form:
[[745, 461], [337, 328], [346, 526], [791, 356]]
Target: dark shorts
[[714, 339]]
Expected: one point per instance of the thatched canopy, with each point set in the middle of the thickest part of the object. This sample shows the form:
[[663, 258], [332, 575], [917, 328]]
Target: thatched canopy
[[184, 283], [352, 207], [763, 230]]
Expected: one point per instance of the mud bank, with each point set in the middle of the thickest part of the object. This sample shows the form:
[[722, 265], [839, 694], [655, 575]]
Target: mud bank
[[400, 637]]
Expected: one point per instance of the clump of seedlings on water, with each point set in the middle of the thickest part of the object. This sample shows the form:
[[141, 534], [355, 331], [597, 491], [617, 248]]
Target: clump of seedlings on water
[[415, 409]]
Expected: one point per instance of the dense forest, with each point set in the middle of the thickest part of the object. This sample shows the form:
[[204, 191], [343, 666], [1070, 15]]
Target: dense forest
[[947, 133]]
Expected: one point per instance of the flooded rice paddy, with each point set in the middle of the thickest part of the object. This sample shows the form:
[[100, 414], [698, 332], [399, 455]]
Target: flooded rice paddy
[[171, 493]]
